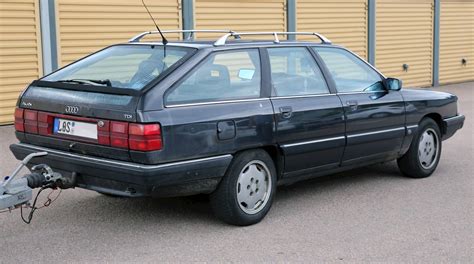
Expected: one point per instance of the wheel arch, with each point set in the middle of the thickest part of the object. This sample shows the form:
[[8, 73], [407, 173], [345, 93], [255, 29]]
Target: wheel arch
[[275, 153], [438, 119]]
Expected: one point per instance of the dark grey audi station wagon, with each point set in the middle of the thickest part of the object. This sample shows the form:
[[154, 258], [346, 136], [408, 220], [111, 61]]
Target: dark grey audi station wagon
[[231, 118]]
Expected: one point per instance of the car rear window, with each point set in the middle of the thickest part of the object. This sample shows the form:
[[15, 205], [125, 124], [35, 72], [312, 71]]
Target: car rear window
[[122, 66]]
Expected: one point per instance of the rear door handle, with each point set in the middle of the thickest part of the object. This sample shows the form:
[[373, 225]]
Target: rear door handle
[[286, 112], [352, 104]]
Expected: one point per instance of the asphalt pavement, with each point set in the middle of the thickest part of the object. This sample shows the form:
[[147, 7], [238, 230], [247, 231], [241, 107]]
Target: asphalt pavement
[[370, 214]]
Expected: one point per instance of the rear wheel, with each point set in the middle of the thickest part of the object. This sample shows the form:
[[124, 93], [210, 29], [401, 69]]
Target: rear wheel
[[245, 194], [424, 153]]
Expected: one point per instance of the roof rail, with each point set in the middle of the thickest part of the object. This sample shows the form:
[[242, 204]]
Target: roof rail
[[222, 40], [190, 36]]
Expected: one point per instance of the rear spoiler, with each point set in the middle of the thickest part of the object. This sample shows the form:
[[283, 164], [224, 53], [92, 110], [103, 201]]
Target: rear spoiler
[[87, 88]]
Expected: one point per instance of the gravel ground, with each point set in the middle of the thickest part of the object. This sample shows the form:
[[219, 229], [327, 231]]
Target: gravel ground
[[371, 214]]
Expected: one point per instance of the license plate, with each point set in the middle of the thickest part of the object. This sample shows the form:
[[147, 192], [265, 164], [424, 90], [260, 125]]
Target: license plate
[[75, 128]]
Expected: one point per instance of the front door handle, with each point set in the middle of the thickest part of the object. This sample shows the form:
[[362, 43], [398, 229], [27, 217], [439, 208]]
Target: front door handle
[[352, 104], [286, 112]]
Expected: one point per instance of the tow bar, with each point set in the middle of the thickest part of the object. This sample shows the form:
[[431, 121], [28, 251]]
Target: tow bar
[[17, 193]]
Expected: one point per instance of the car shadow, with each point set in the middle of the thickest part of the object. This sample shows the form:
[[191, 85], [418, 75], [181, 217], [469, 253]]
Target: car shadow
[[385, 172], [196, 209]]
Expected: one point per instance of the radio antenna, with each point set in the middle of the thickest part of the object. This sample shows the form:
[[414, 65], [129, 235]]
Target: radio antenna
[[165, 41]]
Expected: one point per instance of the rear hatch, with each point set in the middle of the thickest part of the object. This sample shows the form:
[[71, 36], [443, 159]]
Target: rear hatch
[[80, 103], [90, 107], [76, 121]]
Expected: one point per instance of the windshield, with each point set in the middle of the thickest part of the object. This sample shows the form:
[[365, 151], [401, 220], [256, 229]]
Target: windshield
[[122, 66]]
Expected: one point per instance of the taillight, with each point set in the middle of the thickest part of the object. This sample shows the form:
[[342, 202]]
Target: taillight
[[145, 137], [45, 123], [103, 132], [119, 134], [140, 137], [31, 121], [19, 121]]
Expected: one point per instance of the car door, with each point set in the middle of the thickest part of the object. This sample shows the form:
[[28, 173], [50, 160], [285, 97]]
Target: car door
[[375, 116], [309, 118], [216, 108]]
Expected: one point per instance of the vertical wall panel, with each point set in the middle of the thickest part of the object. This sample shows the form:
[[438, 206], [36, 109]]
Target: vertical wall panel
[[85, 26], [456, 41], [244, 15], [344, 22], [20, 49], [405, 36]]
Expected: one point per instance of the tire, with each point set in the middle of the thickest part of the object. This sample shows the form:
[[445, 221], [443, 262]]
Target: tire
[[424, 153], [245, 194]]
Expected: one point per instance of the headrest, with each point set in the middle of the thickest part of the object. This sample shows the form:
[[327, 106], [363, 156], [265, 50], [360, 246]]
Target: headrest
[[214, 74]]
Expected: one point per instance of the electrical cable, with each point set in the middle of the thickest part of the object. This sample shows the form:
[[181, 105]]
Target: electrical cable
[[33, 208], [47, 203]]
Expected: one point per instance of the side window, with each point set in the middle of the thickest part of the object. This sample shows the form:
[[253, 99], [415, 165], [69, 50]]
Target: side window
[[295, 72], [223, 75], [350, 73]]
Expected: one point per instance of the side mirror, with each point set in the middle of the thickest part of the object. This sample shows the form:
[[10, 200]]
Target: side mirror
[[246, 74], [392, 84]]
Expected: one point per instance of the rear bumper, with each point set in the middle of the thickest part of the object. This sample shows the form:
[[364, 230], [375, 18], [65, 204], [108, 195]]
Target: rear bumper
[[133, 179], [451, 125]]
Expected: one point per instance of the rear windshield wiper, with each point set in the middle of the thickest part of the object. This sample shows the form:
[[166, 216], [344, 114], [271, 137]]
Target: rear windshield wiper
[[106, 82]]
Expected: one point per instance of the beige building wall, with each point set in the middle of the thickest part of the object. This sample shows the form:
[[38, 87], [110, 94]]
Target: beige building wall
[[456, 41], [85, 26], [344, 22], [20, 51], [243, 15], [404, 35]]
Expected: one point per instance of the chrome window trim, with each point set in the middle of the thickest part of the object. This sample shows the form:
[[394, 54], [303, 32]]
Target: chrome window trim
[[124, 163], [218, 102], [267, 98], [302, 96], [249, 100], [361, 92], [313, 141], [376, 132]]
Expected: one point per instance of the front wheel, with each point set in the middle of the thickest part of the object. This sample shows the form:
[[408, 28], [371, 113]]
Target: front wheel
[[245, 194], [424, 153]]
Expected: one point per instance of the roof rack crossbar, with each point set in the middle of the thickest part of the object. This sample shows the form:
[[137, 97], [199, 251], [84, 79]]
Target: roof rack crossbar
[[222, 40], [190, 36]]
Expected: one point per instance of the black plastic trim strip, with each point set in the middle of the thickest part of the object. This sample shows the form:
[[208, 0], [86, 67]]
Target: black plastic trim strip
[[86, 88]]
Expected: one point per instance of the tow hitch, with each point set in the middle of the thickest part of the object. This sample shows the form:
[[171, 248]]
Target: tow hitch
[[17, 193]]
